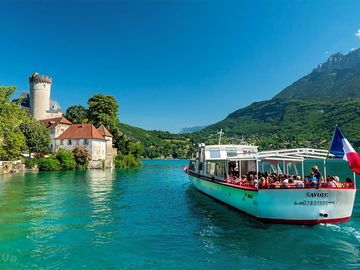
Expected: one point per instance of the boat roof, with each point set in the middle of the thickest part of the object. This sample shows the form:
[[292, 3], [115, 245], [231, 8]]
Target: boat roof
[[295, 154], [230, 151], [250, 152]]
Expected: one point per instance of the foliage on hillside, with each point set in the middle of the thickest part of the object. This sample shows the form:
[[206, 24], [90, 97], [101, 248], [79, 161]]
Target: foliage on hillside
[[271, 124], [289, 123], [160, 144]]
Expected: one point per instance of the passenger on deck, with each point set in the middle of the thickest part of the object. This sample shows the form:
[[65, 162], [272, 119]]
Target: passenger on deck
[[244, 181], [337, 181], [285, 182], [331, 183], [251, 180], [316, 172], [312, 180], [298, 182], [348, 183], [264, 183]]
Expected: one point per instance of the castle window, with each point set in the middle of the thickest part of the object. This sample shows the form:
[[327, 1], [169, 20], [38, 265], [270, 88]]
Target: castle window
[[62, 142], [69, 142], [86, 141]]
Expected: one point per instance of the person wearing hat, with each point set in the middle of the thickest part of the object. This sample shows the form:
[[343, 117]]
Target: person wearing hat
[[316, 172]]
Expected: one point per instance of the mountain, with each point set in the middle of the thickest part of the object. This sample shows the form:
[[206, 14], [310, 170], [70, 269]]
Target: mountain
[[191, 129], [304, 114], [337, 78], [339, 61]]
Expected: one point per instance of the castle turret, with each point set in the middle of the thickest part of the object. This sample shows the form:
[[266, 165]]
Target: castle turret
[[40, 87]]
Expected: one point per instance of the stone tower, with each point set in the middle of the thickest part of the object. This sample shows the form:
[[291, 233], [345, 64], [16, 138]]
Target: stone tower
[[40, 87]]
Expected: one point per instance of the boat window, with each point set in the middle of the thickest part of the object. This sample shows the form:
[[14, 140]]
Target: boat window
[[231, 152], [247, 166], [192, 165], [244, 167], [246, 151], [214, 153], [216, 168]]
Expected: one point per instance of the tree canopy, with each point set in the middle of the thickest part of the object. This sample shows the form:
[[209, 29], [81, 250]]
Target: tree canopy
[[18, 131], [36, 135], [104, 110], [77, 114]]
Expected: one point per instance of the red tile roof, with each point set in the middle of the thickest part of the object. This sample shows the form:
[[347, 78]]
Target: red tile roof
[[81, 131], [103, 130], [53, 122]]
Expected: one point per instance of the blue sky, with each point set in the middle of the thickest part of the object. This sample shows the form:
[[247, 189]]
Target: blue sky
[[171, 64]]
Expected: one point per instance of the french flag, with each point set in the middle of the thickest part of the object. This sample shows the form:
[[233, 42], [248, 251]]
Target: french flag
[[341, 148]]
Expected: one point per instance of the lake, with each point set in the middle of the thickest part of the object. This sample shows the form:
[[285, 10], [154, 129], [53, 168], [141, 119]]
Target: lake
[[152, 218]]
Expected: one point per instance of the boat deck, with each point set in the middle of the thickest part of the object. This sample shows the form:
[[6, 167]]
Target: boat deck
[[238, 183]]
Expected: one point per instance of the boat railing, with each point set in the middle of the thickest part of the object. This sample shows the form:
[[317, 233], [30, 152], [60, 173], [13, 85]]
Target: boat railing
[[299, 184]]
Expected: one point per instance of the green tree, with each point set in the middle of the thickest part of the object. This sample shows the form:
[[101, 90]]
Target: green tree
[[49, 164], [104, 110], [77, 114], [66, 159], [12, 140], [5, 93], [36, 135]]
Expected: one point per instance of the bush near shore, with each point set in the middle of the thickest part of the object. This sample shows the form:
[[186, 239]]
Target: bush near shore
[[63, 160]]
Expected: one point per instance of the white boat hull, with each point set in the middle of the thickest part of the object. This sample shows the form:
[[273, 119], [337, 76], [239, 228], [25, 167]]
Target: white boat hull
[[301, 206]]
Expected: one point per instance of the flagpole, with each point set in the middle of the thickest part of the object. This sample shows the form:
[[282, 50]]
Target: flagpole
[[354, 176], [221, 132], [328, 153]]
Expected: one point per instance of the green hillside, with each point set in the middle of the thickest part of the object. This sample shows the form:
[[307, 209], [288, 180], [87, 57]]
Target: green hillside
[[159, 144], [290, 123]]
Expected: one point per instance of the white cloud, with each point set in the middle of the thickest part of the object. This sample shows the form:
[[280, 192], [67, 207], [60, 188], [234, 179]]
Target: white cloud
[[357, 33]]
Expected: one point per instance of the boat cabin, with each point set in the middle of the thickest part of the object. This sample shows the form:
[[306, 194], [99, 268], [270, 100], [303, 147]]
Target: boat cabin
[[244, 165]]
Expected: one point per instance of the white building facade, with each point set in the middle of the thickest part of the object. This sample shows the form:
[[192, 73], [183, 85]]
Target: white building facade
[[56, 127], [83, 135]]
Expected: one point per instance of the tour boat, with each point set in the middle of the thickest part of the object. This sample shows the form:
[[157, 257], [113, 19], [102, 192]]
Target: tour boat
[[237, 175]]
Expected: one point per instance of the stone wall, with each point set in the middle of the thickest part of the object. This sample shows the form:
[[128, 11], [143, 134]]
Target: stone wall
[[101, 164], [96, 164], [11, 166]]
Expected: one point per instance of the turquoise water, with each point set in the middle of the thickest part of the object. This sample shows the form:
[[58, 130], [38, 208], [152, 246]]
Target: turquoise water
[[152, 218]]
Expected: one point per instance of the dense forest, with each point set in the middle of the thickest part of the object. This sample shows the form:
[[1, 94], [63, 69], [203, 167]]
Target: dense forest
[[270, 124]]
